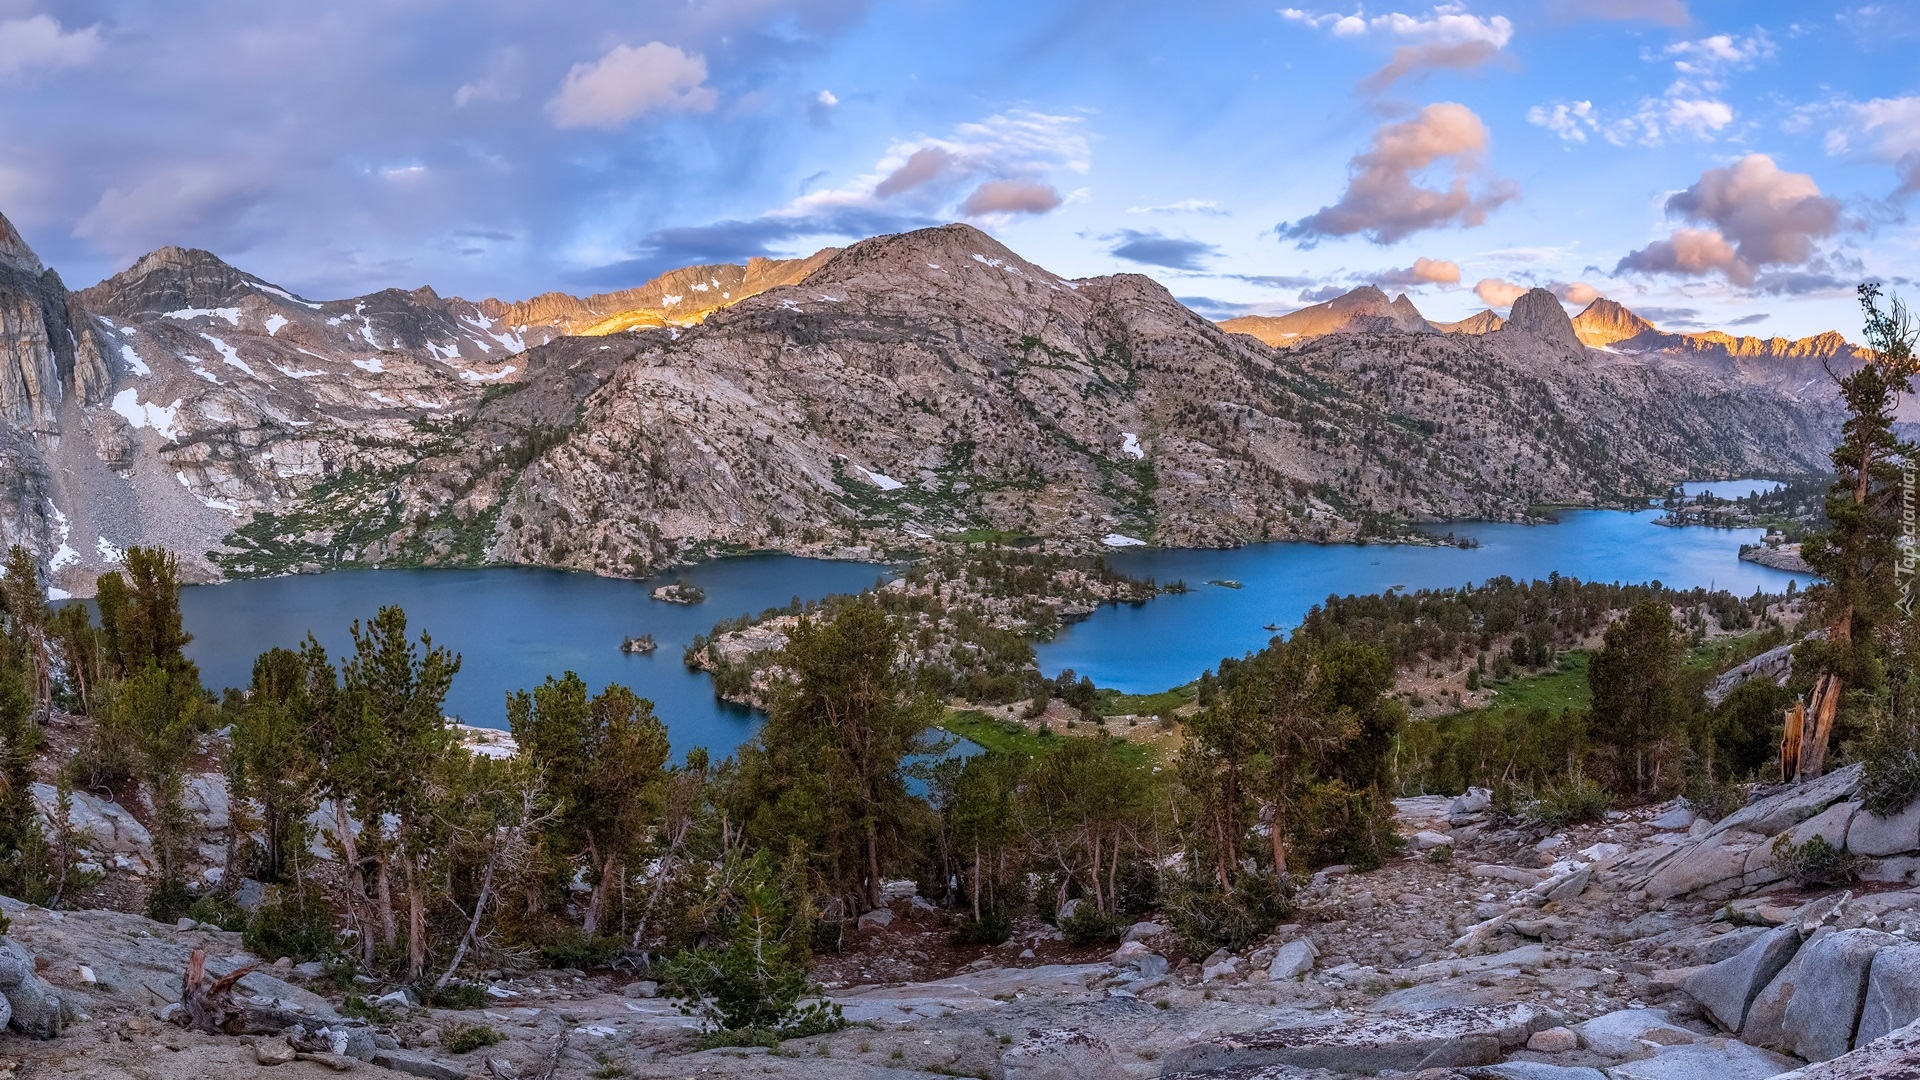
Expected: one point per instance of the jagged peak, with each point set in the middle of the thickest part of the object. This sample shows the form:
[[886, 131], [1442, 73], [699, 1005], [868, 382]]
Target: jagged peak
[[1537, 313], [1484, 321], [1605, 321], [14, 251]]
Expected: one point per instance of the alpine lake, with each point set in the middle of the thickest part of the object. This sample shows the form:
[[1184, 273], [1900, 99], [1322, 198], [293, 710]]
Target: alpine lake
[[513, 627]]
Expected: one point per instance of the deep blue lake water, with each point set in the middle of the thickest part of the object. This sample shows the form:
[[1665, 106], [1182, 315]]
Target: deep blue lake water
[[1171, 640], [514, 627]]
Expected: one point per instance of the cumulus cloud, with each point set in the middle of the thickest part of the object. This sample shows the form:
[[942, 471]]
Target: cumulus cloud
[[1382, 200], [1577, 293], [628, 82], [1751, 215], [1153, 249], [39, 43], [1446, 39], [501, 82], [1424, 271], [1663, 12], [1011, 197], [1494, 292], [1689, 108], [1322, 294]]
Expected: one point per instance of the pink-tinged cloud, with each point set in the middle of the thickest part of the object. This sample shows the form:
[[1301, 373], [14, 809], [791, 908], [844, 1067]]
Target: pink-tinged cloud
[[1496, 293], [1663, 12], [1752, 215], [1383, 202], [1424, 271], [1010, 197], [1412, 60], [1577, 293], [628, 82], [924, 166]]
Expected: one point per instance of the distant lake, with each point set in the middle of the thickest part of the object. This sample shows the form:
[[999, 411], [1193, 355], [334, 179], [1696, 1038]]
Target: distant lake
[[1730, 489], [1172, 639], [514, 627]]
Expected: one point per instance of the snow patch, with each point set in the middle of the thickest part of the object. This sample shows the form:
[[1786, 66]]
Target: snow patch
[[979, 258], [297, 373], [670, 299], [55, 594], [231, 314], [212, 504], [284, 295], [372, 366], [161, 418], [134, 363], [228, 354], [108, 552], [274, 322], [933, 266], [65, 556], [1130, 445], [1122, 540], [381, 398], [474, 376], [453, 351], [879, 480]]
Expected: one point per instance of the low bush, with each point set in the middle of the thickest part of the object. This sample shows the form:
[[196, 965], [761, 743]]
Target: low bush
[[292, 923], [1816, 862], [992, 928], [1088, 925], [459, 1038], [1573, 801], [454, 995], [1207, 919]]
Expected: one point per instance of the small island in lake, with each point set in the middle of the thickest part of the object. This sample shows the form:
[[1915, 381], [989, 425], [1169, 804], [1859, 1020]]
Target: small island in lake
[[642, 644], [680, 592]]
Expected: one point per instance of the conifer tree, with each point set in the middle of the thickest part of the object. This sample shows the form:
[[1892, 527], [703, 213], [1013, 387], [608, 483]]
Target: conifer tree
[[1636, 703], [1857, 598]]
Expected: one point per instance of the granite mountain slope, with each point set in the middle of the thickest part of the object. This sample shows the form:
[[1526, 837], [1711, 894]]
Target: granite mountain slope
[[906, 388]]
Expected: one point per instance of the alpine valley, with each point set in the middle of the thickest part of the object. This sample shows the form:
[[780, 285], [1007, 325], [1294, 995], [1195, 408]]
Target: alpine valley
[[886, 396]]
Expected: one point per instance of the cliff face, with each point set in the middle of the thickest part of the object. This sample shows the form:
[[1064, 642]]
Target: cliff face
[[1537, 314], [1605, 322]]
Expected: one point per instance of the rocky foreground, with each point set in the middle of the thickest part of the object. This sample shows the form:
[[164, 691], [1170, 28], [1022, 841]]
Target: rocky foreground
[[1633, 949]]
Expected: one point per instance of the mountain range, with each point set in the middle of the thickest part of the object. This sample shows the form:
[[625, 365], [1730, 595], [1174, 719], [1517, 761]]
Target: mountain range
[[902, 390]]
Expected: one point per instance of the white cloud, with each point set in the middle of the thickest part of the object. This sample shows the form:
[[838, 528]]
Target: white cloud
[[628, 82], [1447, 37], [825, 99], [39, 43], [1571, 120], [1385, 199], [1884, 129], [1184, 206], [1752, 215], [1494, 292]]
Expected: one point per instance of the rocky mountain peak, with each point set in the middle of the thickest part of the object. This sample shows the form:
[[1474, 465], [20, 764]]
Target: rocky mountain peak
[[1483, 322], [1362, 310], [14, 251], [174, 279], [1537, 313], [1605, 321]]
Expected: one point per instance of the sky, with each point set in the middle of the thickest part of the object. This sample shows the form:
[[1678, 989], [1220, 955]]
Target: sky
[[1733, 165]]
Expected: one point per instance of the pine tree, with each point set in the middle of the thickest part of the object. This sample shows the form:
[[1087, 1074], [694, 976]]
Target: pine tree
[[1857, 598], [1636, 702], [828, 766], [604, 763]]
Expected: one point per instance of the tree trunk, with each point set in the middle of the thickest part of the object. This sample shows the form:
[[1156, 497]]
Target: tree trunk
[[383, 893], [1821, 714], [1793, 731], [416, 919], [597, 901], [1278, 835], [873, 864], [975, 883]]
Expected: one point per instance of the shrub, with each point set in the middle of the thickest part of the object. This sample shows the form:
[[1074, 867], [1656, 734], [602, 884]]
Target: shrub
[[168, 901], [1892, 775], [1572, 801], [1088, 925], [1206, 918], [572, 948], [1816, 862], [1714, 801], [459, 1038], [992, 928], [218, 911], [292, 924], [454, 995]]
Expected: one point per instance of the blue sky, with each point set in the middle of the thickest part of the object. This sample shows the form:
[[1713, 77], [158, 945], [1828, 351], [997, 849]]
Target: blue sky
[[1735, 165]]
